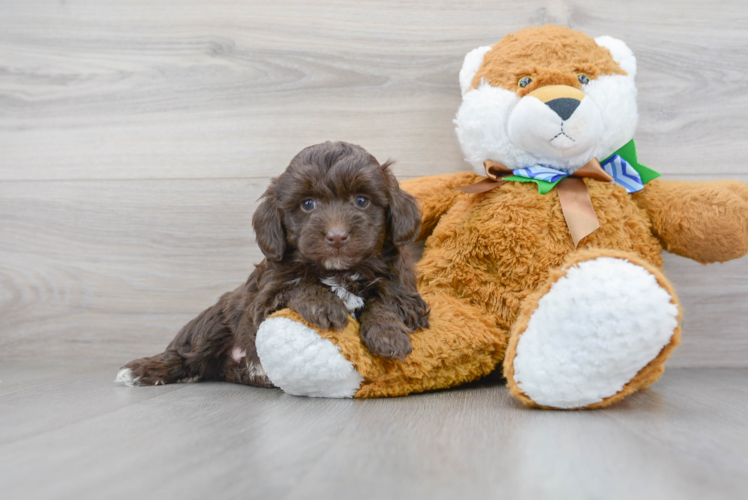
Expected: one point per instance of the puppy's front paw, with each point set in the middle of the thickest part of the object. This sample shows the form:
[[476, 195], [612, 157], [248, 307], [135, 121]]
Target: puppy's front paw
[[415, 313], [323, 312], [419, 317], [387, 339]]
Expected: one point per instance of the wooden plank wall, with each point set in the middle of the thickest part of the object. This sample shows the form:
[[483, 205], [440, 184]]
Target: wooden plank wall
[[136, 136]]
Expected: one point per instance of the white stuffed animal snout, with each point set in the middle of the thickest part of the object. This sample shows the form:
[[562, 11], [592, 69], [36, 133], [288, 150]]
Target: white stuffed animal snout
[[555, 121]]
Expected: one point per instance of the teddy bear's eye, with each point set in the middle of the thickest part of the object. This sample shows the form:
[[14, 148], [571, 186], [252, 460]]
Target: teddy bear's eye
[[524, 81], [583, 79]]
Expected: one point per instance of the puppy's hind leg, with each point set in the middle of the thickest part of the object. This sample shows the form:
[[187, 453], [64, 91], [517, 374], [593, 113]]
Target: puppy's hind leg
[[165, 368], [196, 353]]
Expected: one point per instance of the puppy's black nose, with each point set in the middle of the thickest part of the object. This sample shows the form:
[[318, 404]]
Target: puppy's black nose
[[564, 106], [337, 237]]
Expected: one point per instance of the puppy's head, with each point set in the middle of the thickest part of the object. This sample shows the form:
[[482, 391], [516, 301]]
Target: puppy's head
[[334, 206]]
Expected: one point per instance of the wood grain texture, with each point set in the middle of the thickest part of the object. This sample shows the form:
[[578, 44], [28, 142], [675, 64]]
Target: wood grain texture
[[135, 137], [153, 89], [68, 432]]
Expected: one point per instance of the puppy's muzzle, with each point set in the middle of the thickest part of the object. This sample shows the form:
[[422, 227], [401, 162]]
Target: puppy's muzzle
[[337, 238], [562, 99]]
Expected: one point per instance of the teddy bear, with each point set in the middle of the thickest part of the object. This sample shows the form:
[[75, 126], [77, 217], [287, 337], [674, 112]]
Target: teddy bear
[[545, 262]]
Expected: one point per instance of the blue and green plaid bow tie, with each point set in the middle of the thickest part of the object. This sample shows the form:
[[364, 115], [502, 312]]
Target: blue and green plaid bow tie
[[623, 174], [622, 168]]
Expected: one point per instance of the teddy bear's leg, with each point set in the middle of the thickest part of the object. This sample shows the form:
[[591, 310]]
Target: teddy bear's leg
[[600, 329], [301, 362], [462, 344]]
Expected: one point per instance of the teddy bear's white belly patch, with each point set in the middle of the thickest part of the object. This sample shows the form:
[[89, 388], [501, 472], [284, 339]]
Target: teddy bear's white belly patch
[[352, 301]]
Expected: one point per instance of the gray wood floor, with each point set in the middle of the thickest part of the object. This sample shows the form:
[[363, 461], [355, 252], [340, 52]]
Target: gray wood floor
[[67, 432]]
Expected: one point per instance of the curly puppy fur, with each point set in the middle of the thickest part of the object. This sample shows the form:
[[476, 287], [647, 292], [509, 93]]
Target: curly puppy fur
[[332, 228]]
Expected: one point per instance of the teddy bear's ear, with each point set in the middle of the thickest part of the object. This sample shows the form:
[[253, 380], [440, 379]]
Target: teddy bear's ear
[[470, 66], [621, 53]]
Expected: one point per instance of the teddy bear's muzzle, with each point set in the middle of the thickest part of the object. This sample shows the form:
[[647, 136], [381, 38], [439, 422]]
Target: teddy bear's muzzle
[[556, 122], [562, 99]]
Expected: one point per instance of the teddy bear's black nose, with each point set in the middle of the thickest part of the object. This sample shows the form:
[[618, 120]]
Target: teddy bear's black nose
[[563, 106]]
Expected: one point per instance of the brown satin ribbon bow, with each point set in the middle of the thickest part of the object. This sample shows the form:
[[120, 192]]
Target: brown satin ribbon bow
[[573, 195]]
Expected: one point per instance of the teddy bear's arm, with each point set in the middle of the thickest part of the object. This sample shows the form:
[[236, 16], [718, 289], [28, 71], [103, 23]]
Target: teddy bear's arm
[[704, 221], [436, 194]]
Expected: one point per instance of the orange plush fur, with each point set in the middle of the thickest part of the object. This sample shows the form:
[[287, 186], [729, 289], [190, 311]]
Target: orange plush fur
[[552, 55], [489, 257]]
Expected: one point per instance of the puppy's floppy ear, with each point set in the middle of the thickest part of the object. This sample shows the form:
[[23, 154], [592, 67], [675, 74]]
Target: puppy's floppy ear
[[271, 238], [403, 216]]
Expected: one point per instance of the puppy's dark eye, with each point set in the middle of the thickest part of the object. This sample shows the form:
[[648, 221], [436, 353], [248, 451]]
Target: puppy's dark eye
[[308, 205], [583, 79], [524, 81], [361, 202]]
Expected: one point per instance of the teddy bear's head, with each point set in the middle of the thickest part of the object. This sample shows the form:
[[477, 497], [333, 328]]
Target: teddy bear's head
[[547, 96]]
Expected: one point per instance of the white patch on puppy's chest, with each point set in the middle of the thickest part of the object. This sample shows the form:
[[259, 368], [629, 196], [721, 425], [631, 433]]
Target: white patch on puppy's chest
[[352, 301]]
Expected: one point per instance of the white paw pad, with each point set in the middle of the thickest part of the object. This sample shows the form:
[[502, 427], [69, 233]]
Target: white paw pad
[[302, 363], [125, 376], [596, 328]]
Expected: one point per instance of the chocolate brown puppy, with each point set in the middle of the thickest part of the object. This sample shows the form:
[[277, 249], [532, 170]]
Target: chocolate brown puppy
[[332, 228]]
